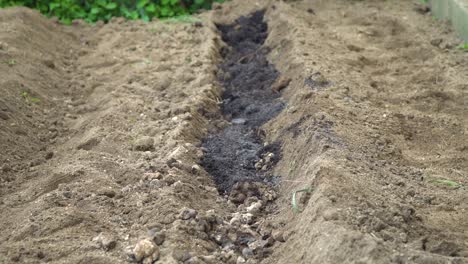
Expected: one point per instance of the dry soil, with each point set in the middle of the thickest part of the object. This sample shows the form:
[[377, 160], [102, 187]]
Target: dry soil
[[105, 129]]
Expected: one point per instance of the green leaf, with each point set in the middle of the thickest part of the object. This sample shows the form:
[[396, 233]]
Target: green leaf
[[174, 2], [95, 10], [142, 3], [446, 182], [165, 11], [66, 21], [151, 8], [111, 6], [52, 6], [199, 2], [295, 207], [133, 15]]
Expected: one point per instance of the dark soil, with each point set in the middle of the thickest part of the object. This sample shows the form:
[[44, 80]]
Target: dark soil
[[248, 102]]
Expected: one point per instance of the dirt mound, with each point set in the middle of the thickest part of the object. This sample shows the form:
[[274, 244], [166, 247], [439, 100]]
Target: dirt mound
[[381, 142], [99, 129]]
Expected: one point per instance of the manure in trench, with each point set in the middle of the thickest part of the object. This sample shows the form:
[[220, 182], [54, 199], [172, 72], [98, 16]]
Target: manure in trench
[[248, 103]]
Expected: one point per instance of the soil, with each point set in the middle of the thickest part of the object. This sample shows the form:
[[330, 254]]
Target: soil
[[117, 139], [234, 155]]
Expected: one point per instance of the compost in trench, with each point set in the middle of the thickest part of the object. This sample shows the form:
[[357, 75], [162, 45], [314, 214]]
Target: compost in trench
[[235, 154]]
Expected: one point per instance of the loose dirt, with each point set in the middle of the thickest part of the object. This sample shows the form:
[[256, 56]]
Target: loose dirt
[[151, 142], [237, 154]]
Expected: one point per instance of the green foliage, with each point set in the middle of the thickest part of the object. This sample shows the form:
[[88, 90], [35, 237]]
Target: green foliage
[[446, 182], [11, 62], [463, 46], [94, 10]]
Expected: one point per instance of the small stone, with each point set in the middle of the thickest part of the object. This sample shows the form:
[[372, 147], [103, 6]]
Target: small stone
[[40, 255], [237, 197], [196, 169], [187, 213], [210, 259], [436, 42], [247, 252], [254, 207], [49, 64], [144, 249], [331, 215], [280, 84], [155, 183], [178, 186], [4, 116], [278, 236], [129, 253], [3, 46], [181, 255], [354, 48], [6, 168], [194, 260], [240, 260], [238, 121], [144, 144], [49, 155], [159, 238], [108, 193], [105, 242]]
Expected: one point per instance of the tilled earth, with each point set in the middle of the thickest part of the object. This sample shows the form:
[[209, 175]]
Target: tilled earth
[[112, 151]]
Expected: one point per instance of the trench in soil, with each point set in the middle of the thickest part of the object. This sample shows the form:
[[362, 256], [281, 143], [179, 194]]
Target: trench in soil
[[237, 154]]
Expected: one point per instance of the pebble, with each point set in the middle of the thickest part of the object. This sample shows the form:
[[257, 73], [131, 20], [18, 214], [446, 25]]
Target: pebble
[[159, 238], [210, 259], [146, 250], [4, 116], [436, 42], [194, 260], [247, 252], [144, 144], [49, 155], [6, 168], [240, 260], [280, 84], [105, 242], [279, 236], [254, 207], [178, 187], [331, 215], [196, 169], [108, 193], [181, 255], [238, 121], [187, 213]]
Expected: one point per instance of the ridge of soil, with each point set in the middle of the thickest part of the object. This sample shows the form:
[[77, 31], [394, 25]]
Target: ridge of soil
[[380, 128], [102, 158]]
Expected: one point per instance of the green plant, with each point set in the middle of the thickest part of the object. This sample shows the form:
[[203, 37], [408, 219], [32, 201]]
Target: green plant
[[11, 62], [294, 205], [94, 10], [28, 98], [446, 182], [463, 46]]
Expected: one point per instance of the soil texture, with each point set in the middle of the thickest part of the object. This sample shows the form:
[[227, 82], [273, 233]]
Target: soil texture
[[184, 142], [237, 153]]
